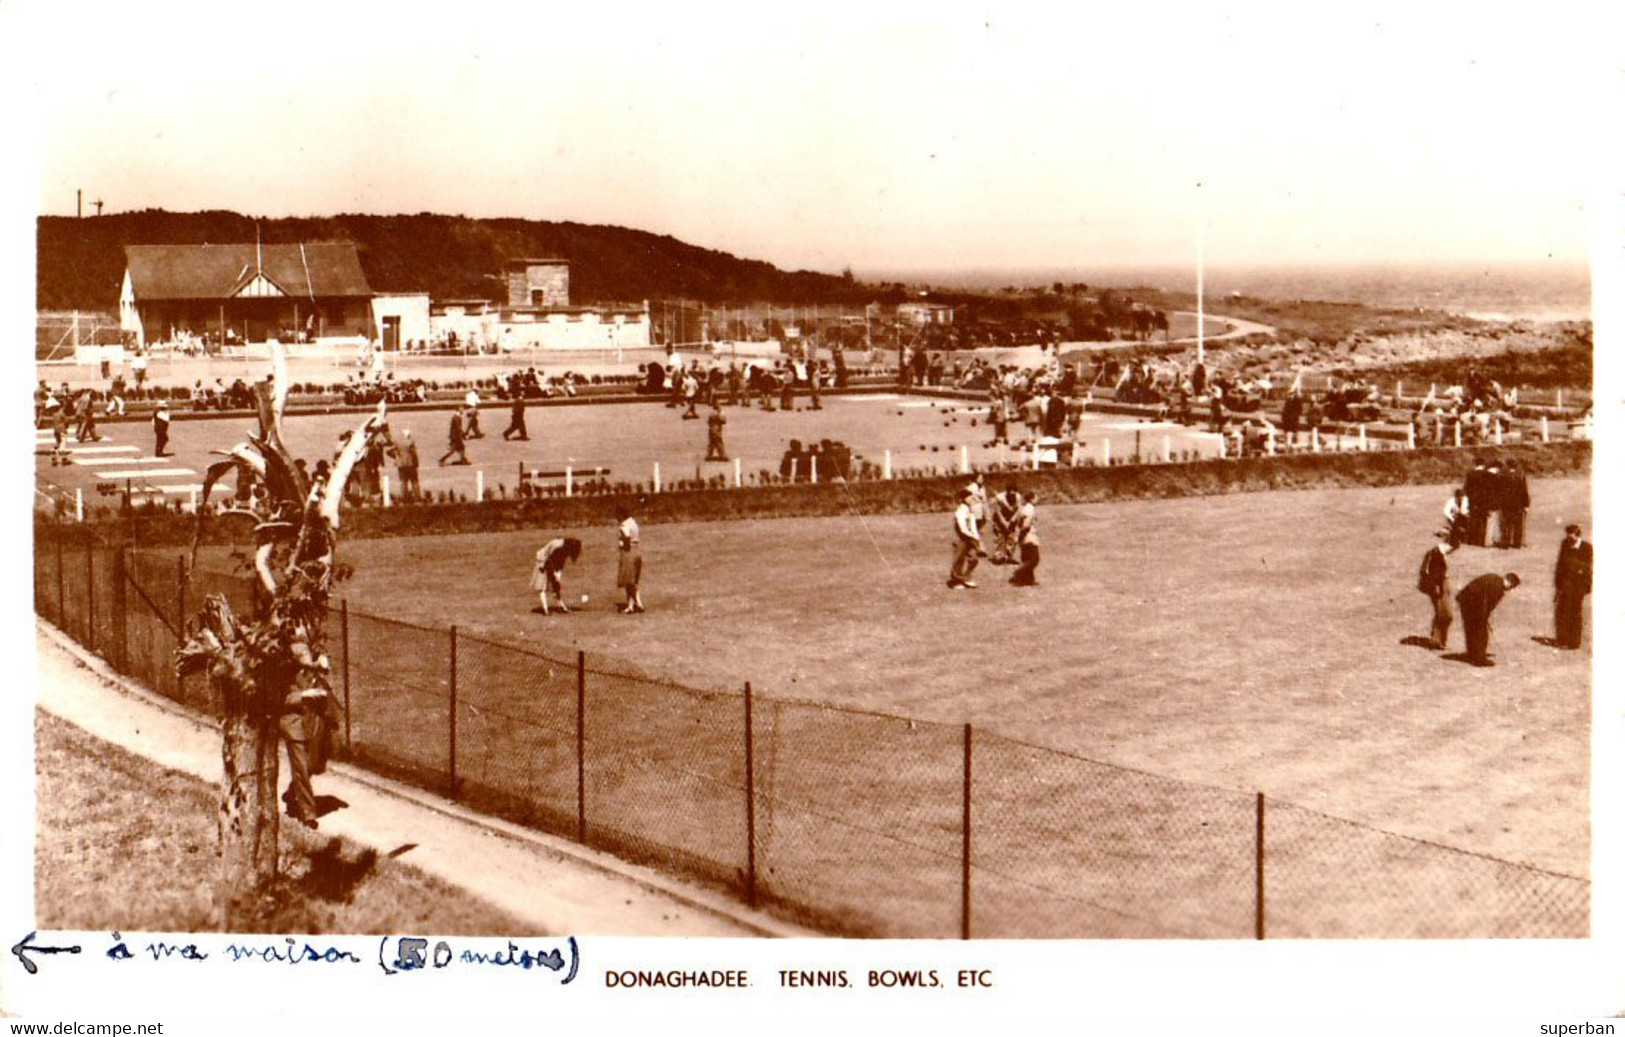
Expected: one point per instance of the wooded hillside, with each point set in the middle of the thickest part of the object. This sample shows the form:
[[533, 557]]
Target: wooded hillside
[[81, 260]]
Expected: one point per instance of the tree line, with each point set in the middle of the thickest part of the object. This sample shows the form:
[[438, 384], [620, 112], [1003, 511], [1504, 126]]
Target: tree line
[[81, 260]]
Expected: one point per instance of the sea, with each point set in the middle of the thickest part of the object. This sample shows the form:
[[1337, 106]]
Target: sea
[[1497, 292]]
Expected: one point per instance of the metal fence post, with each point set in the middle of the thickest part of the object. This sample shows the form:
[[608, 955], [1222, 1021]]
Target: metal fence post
[[581, 747], [452, 726], [750, 805], [1258, 898], [344, 639], [121, 610], [61, 588], [90, 596], [964, 878], [180, 593]]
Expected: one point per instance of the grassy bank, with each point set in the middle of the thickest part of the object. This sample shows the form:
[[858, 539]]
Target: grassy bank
[[121, 842]]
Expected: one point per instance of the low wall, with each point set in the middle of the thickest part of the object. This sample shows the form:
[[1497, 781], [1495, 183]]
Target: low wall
[[869, 497]]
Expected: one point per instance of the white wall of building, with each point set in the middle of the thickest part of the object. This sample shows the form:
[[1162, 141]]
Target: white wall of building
[[411, 310], [561, 331]]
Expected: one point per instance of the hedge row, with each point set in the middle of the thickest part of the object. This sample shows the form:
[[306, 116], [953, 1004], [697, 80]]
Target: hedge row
[[901, 496]]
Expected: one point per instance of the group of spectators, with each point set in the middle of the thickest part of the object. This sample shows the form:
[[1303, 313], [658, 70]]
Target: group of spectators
[[531, 384], [1442, 421], [939, 369], [772, 384], [1243, 408], [364, 391]]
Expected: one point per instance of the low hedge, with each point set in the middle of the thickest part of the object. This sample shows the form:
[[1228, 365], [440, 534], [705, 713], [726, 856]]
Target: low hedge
[[866, 497]]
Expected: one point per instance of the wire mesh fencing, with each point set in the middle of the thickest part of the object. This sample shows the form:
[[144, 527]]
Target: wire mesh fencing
[[850, 822], [397, 700], [663, 774], [1064, 845], [152, 621], [1329, 877], [516, 735], [858, 819]]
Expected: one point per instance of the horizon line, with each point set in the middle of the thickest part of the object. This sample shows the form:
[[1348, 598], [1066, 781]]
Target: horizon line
[[926, 273]]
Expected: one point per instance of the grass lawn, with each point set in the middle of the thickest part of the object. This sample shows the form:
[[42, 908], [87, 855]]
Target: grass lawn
[[1178, 657], [1227, 645], [118, 838], [1249, 641]]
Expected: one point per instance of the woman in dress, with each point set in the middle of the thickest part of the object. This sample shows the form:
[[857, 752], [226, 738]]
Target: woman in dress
[[629, 572], [548, 575]]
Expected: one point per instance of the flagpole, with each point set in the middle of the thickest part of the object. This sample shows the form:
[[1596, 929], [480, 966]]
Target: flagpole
[[1201, 320]]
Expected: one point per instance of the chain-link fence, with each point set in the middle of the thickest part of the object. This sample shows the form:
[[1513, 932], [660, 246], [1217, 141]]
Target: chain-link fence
[[1065, 844], [1328, 877], [59, 334], [851, 822]]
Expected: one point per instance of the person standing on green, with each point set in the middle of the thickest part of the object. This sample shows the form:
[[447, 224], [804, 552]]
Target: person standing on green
[[714, 449], [629, 571]]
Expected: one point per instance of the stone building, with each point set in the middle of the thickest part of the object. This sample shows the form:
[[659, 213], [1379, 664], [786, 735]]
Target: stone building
[[538, 282]]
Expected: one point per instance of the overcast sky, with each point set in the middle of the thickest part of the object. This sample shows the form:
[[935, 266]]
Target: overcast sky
[[936, 137]]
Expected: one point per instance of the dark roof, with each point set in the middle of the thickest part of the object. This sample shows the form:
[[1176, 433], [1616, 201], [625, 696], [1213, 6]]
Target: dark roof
[[322, 269], [555, 261]]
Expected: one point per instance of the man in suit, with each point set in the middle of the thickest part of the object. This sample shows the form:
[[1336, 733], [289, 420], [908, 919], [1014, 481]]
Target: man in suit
[[1514, 505], [1476, 601], [160, 430], [714, 449], [455, 439], [1476, 488], [1495, 494], [1292, 416], [1433, 579], [1572, 582], [516, 418]]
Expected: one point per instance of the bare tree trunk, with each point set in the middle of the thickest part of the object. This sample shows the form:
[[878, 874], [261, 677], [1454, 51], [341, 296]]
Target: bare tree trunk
[[249, 815], [253, 666], [250, 698]]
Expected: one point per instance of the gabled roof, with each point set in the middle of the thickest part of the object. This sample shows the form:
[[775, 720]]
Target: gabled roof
[[316, 269]]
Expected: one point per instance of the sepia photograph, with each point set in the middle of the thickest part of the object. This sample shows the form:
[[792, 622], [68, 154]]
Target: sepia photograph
[[863, 509]]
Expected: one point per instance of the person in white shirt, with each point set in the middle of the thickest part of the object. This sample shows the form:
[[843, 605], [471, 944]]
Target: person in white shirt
[[967, 544], [1456, 516], [978, 500], [471, 416]]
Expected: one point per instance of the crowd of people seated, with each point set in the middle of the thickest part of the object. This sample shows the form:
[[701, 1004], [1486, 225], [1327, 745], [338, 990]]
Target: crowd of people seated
[[531, 384], [365, 391], [1478, 407]]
